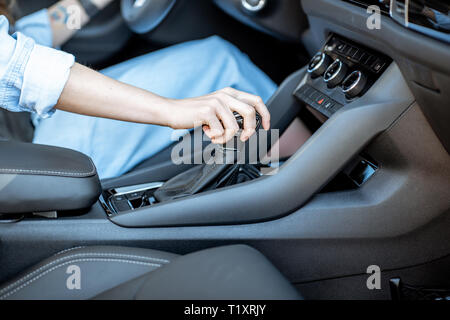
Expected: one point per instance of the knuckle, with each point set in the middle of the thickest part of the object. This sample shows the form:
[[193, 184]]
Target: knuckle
[[222, 108], [259, 100], [250, 112], [215, 101], [221, 96]]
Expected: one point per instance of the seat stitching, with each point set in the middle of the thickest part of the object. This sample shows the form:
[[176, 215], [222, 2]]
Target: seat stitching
[[47, 172], [68, 250], [92, 171], [69, 262], [116, 255]]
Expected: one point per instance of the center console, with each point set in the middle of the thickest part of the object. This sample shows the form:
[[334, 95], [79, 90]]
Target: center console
[[229, 167], [344, 81]]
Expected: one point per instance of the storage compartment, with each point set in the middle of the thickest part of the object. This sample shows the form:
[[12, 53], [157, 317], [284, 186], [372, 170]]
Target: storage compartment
[[121, 200]]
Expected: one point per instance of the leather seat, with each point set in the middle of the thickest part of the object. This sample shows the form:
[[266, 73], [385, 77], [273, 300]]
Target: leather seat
[[231, 272]]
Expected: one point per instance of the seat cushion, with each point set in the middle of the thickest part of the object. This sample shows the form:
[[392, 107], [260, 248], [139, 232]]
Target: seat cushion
[[231, 272], [225, 273]]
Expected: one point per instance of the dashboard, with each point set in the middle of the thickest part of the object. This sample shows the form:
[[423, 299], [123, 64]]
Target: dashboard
[[429, 17]]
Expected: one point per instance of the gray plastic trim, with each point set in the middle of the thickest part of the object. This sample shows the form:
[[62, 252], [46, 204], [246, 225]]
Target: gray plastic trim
[[318, 161]]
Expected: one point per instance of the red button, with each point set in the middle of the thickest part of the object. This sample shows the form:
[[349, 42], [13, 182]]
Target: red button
[[320, 101]]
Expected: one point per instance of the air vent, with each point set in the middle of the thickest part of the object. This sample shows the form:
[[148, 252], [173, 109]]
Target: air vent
[[429, 17]]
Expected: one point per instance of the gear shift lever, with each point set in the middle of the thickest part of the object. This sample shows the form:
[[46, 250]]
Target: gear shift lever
[[203, 176], [234, 152]]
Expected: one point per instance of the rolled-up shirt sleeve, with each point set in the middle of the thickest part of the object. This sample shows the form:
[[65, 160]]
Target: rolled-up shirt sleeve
[[32, 77]]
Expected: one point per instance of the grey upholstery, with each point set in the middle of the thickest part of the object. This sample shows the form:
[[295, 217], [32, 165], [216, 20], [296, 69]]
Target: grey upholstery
[[36, 178], [15, 126], [232, 272]]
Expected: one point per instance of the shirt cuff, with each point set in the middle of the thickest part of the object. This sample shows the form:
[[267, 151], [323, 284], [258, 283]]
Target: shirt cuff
[[45, 77]]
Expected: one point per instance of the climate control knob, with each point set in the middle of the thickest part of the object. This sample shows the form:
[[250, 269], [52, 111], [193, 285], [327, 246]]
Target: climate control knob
[[335, 73], [318, 64], [354, 84]]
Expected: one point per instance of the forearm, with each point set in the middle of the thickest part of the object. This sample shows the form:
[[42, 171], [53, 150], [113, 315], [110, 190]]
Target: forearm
[[90, 93], [67, 17]]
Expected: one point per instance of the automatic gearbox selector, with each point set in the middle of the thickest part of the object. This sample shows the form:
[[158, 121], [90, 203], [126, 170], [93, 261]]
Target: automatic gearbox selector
[[319, 64], [354, 84], [335, 73], [240, 120], [208, 176]]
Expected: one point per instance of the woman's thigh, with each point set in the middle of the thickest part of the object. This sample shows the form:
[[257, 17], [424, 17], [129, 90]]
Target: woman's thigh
[[187, 70]]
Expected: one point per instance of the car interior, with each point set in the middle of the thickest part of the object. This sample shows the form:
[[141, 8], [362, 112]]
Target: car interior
[[370, 185]]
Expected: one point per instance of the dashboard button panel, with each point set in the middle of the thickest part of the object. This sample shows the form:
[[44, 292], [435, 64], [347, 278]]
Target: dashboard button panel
[[317, 100], [339, 73]]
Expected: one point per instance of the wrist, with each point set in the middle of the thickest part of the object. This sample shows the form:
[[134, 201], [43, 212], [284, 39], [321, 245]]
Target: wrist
[[167, 113]]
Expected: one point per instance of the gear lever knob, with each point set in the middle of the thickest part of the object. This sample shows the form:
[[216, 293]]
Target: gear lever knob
[[240, 120], [230, 151]]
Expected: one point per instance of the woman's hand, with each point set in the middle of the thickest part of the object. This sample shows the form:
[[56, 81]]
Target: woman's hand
[[215, 113]]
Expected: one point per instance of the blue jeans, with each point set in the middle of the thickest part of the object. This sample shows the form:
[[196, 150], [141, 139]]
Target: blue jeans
[[182, 71]]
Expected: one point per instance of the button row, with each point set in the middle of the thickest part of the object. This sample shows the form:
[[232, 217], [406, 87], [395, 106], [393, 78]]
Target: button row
[[368, 60], [317, 100]]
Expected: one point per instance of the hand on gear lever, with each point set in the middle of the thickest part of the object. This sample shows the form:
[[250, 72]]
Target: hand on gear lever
[[231, 150], [207, 176]]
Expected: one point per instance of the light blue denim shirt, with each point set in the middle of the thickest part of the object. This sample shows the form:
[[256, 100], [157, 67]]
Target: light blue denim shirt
[[32, 75]]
